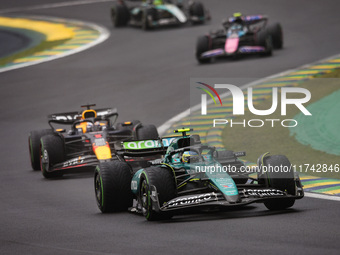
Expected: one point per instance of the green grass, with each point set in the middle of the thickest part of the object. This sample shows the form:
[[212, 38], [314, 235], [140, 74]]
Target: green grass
[[334, 74], [277, 140], [29, 52]]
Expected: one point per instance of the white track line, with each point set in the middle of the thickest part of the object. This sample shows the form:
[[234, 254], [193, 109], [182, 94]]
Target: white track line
[[165, 126], [56, 5], [104, 34], [322, 196]]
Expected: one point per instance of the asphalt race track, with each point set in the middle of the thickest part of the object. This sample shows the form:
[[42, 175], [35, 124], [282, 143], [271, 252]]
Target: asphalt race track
[[17, 42], [146, 76]]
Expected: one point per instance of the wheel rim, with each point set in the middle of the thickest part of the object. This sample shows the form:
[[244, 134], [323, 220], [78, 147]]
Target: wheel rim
[[30, 145], [146, 19], [269, 45], [144, 197], [44, 160], [113, 17], [99, 189]]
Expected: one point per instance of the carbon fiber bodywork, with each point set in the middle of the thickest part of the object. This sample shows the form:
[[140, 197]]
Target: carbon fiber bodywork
[[199, 184]]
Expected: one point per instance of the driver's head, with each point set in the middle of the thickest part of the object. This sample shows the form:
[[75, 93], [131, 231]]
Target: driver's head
[[190, 157], [157, 2], [89, 127], [237, 17], [99, 126]]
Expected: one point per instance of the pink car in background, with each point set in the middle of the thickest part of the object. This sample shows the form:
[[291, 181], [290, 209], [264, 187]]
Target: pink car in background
[[240, 35]]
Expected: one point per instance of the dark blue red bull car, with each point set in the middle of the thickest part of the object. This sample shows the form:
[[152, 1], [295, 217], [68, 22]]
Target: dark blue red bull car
[[92, 137], [240, 35]]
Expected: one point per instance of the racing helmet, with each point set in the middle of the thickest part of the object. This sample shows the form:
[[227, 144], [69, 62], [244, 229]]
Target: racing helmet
[[237, 17], [89, 127], [190, 157], [158, 2], [237, 14]]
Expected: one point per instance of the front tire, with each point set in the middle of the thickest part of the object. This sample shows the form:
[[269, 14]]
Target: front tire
[[196, 10], [147, 132], [34, 146], [163, 179], [280, 180], [264, 39], [275, 30], [112, 182], [120, 15], [52, 151], [149, 15], [202, 45]]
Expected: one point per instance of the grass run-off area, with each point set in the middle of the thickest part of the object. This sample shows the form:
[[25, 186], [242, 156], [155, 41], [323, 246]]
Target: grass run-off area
[[277, 139]]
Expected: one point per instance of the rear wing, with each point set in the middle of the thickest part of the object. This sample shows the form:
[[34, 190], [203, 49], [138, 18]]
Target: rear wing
[[68, 118], [248, 20], [255, 18], [146, 147]]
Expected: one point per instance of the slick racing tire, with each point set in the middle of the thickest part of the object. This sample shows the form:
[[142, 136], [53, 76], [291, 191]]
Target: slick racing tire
[[120, 15], [263, 38], [149, 14], [281, 180], [196, 9], [34, 146], [162, 178], [147, 132], [112, 183], [51, 152], [275, 30], [202, 45]]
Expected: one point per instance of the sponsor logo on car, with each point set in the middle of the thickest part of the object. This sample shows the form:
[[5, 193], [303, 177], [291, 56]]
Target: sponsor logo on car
[[192, 200], [263, 192], [147, 144], [73, 162]]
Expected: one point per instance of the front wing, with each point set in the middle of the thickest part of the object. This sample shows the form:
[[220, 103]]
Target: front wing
[[247, 195], [241, 50], [76, 163]]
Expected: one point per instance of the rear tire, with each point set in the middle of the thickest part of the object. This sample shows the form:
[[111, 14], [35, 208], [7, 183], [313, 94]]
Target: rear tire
[[52, 151], [264, 39], [280, 180], [147, 132], [275, 30], [163, 179], [34, 146], [279, 204], [148, 14], [202, 45], [120, 15], [196, 9], [112, 183]]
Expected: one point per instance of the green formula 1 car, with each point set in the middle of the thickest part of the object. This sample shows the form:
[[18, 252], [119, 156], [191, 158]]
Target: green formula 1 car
[[192, 175]]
